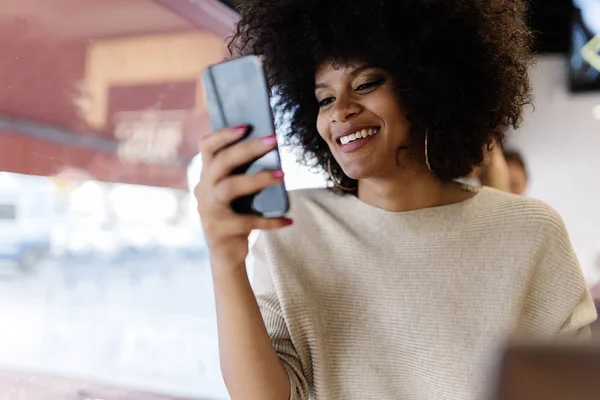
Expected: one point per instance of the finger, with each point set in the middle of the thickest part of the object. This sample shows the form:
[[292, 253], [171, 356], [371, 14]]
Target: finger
[[265, 224], [236, 186], [247, 224], [239, 154], [214, 142]]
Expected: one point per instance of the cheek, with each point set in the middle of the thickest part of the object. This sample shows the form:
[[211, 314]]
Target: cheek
[[397, 125], [323, 127], [388, 108]]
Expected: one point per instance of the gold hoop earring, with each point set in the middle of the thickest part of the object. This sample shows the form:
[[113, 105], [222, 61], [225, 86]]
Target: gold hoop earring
[[335, 181], [427, 151]]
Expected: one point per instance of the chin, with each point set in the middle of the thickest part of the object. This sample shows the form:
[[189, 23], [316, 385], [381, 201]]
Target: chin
[[357, 172]]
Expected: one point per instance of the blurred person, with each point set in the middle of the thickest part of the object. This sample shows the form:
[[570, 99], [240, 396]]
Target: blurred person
[[501, 169], [396, 281], [517, 171], [492, 172]]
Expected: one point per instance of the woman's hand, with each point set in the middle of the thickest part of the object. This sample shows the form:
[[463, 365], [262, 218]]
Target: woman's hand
[[226, 231], [251, 368]]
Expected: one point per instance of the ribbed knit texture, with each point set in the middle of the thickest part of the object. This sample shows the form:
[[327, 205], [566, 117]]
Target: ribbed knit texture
[[361, 303]]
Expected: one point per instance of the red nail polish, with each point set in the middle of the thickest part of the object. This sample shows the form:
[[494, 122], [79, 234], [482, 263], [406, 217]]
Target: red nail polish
[[269, 140], [287, 221], [278, 174], [240, 130]]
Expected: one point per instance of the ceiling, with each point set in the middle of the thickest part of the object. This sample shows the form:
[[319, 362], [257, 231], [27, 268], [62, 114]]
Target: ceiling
[[548, 18], [85, 20], [91, 19]]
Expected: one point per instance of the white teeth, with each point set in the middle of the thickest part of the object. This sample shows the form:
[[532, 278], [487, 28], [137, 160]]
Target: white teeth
[[358, 135]]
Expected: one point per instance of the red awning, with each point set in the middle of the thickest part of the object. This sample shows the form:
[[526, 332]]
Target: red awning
[[106, 87]]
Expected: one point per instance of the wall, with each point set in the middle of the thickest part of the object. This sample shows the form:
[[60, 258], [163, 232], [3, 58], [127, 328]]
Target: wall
[[149, 59], [135, 92], [560, 141]]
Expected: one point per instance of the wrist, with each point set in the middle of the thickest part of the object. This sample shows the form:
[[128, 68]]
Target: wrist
[[226, 271]]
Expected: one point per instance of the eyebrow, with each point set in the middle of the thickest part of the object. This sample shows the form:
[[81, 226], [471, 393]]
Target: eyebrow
[[353, 74]]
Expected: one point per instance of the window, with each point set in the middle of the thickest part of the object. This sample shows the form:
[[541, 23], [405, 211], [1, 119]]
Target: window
[[104, 267]]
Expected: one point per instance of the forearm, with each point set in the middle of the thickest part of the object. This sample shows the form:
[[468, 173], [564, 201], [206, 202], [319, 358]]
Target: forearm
[[250, 366]]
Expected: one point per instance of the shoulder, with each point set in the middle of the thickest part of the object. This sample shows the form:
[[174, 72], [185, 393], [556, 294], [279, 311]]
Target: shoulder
[[318, 215], [521, 211], [316, 206], [303, 200], [309, 209], [508, 202], [278, 255]]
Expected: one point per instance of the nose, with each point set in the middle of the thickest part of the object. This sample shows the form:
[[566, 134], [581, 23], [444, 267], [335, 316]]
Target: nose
[[344, 109]]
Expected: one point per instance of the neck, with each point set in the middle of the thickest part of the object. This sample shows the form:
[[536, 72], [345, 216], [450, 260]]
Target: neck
[[410, 190]]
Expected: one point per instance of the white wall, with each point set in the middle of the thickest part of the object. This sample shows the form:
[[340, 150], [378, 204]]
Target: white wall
[[560, 142]]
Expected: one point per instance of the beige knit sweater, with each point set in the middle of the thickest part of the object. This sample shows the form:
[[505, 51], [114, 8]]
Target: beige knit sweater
[[361, 303]]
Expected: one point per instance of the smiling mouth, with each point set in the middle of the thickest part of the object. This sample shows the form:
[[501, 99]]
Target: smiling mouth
[[361, 134]]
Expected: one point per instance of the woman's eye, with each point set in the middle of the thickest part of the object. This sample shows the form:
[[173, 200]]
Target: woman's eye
[[326, 101], [369, 85]]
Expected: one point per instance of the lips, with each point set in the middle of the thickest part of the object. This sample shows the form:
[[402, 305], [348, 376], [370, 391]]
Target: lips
[[355, 138], [361, 134], [355, 133]]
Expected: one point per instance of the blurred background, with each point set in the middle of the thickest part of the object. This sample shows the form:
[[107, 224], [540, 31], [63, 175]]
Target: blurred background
[[103, 266]]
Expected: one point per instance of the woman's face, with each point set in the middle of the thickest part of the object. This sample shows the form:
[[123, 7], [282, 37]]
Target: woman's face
[[360, 118], [517, 177]]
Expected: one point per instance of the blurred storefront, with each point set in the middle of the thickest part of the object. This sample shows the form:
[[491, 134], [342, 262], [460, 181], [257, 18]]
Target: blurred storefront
[[103, 87], [103, 266]]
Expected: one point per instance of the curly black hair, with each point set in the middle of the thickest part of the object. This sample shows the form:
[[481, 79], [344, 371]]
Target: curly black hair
[[460, 67]]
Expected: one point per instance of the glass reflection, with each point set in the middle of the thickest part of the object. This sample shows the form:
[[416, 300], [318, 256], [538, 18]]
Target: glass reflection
[[102, 263]]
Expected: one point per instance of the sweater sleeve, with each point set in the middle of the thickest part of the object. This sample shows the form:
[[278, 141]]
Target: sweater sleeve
[[558, 303], [270, 307]]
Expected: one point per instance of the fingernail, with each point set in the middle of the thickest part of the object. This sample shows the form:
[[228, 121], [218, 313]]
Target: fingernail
[[287, 221], [278, 174], [240, 130], [269, 140]]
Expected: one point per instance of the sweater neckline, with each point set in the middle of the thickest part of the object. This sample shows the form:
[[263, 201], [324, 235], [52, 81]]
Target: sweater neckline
[[445, 209]]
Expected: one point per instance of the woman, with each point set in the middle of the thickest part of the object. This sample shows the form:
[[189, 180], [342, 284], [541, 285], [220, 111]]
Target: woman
[[398, 282]]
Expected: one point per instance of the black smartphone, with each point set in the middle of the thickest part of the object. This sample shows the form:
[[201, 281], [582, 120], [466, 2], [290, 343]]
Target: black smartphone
[[237, 94]]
